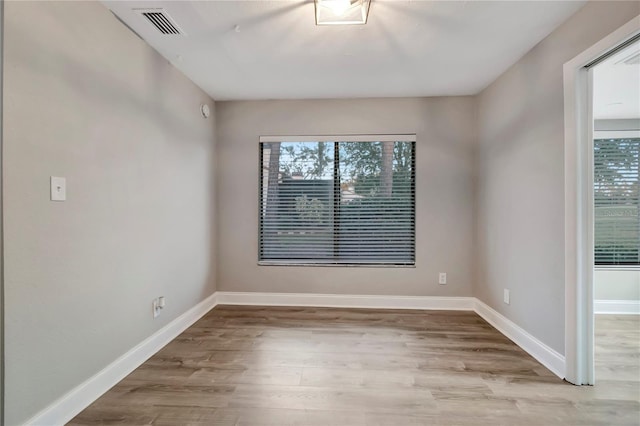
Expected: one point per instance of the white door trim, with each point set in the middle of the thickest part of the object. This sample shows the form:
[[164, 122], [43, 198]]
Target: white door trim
[[578, 189], [2, 392]]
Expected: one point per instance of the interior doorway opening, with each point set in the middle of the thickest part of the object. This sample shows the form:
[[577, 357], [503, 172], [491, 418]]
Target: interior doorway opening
[[616, 217], [579, 211]]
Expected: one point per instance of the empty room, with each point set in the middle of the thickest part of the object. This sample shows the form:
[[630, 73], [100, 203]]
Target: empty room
[[320, 212]]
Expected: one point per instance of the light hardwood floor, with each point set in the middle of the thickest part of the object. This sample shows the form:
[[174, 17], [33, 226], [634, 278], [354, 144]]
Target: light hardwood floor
[[321, 366]]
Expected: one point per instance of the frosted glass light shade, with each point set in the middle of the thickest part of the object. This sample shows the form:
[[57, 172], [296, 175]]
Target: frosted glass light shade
[[342, 12]]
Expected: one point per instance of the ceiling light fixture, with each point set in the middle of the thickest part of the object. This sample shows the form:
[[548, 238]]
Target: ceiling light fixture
[[342, 12]]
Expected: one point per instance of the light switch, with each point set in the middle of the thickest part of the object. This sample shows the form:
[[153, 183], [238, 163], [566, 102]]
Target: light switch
[[58, 188]]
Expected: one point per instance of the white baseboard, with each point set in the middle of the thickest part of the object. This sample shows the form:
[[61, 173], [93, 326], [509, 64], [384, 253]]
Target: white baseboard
[[534, 347], [67, 407], [346, 301], [618, 307]]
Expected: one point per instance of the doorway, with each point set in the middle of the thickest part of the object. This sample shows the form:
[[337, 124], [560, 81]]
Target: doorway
[[579, 201], [616, 171]]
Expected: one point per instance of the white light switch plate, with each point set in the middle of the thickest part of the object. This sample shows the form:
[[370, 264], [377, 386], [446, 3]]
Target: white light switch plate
[[58, 188]]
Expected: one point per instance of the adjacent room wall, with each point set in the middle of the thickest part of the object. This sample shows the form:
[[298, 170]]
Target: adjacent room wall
[[616, 284], [520, 185], [84, 98], [444, 217], [616, 124]]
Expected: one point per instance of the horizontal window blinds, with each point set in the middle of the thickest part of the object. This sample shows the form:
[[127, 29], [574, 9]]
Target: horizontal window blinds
[[616, 196], [337, 202]]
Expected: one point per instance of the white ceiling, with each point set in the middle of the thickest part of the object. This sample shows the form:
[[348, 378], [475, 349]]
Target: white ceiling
[[408, 48], [616, 86]]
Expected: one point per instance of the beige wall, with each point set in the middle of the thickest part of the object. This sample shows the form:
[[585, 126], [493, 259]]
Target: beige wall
[[86, 99], [445, 136], [520, 186]]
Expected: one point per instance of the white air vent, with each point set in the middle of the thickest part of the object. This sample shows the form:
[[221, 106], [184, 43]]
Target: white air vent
[[160, 19], [633, 59]]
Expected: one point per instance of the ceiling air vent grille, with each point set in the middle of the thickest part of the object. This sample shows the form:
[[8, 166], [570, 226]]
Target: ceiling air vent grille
[[161, 20], [633, 59]]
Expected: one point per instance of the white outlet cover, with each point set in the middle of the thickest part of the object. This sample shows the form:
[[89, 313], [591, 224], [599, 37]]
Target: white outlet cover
[[506, 296], [156, 308], [58, 188], [442, 278]]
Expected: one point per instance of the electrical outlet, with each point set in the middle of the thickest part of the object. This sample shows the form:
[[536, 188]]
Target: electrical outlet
[[506, 296], [156, 308], [442, 278], [157, 305]]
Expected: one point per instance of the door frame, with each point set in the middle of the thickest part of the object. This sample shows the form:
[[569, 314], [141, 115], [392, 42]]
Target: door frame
[[578, 203], [2, 371]]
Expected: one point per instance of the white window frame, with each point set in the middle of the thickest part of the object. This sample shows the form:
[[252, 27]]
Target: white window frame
[[410, 137], [398, 137]]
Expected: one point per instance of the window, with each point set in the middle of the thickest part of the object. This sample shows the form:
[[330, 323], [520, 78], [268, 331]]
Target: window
[[346, 200], [617, 226]]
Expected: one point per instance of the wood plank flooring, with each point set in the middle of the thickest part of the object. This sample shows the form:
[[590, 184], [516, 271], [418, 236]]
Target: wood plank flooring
[[322, 366]]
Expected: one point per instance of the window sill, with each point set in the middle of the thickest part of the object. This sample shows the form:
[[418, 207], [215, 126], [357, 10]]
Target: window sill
[[617, 268], [335, 265]]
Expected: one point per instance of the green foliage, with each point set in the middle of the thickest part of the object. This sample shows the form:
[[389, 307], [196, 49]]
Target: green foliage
[[311, 160], [360, 159], [616, 169], [361, 165], [310, 209], [368, 186]]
